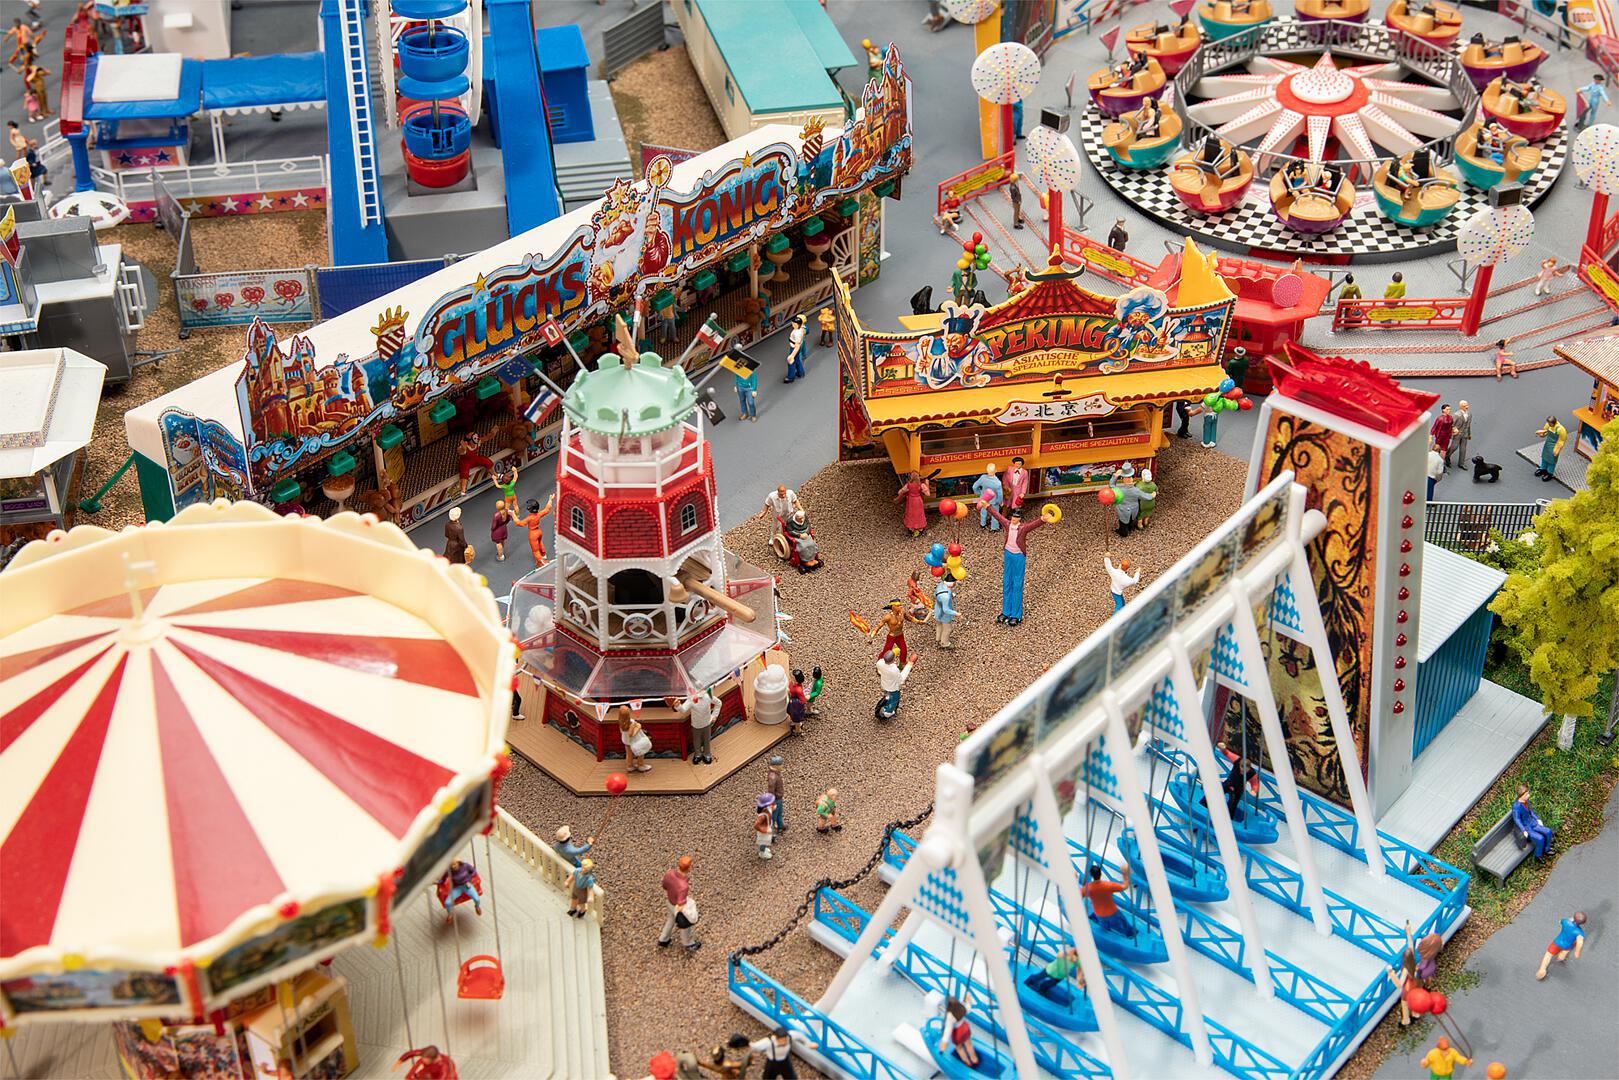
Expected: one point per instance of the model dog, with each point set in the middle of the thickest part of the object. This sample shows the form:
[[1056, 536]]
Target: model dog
[[1483, 470]]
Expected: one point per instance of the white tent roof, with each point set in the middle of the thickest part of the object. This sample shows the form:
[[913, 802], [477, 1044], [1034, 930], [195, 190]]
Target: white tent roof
[[48, 400]]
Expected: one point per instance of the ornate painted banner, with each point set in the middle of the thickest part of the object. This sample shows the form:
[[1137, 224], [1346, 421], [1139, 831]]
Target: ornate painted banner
[[240, 297]]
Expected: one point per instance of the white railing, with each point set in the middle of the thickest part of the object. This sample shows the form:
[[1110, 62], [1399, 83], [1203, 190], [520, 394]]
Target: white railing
[[206, 181], [132, 295], [542, 860], [361, 130]]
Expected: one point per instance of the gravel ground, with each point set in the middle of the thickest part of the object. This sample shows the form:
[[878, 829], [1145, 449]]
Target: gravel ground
[[664, 999], [254, 242], [661, 101]]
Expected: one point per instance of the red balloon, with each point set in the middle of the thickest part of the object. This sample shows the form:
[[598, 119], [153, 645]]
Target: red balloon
[[969, 247], [1245, 404], [947, 507], [1496, 1071], [936, 571], [1107, 496], [953, 549], [1418, 1000], [616, 783], [978, 238], [1437, 1003]]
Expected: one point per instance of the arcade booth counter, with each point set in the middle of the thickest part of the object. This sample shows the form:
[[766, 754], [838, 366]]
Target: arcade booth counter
[[1599, 358], [46, 421], [369, 408], [1069, 380]]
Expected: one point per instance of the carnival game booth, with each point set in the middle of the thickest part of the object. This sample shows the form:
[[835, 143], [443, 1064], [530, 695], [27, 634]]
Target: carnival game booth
[[1069, 380], [235, 746], [371, 405], [1598, 358]]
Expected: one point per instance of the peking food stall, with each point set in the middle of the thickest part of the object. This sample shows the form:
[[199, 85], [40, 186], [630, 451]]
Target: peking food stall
[[1073, 382], [368, 409]]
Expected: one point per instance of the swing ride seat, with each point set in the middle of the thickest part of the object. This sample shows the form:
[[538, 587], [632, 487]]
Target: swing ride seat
[[1190, 878], [1147, 947], [952, 1066], [1067, 1006], [481, 979], [1256, 827], [444, 890]]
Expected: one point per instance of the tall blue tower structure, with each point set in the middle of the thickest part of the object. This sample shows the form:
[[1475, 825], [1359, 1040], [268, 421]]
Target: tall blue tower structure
[[354, 194], [525, 142]]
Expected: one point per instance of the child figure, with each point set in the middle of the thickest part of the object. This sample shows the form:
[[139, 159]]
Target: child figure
[[536, 535], [583, 879], [764, 825], [826, 812], [497, 530], [462, 886], [637, 743]]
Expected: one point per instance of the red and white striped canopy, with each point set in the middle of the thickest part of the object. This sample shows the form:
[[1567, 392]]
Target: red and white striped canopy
[[170, 781]]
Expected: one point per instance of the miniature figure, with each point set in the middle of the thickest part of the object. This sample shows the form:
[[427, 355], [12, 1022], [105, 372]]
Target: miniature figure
[[945, 615], [804, 551], [582, 880], [1128, 498], [1570, 935], [1015, 190], [914, 493], [1405, 980], [891, 676], [1535, 832], [569, 848], [938, 18], [1014, 561], [637, 743], [829, 325], [455, 537], [874, 59], [1548, 271], [1443, 430], [826, 812], [817, 684], [460, 882], [892, 623], [700, 711], [1016, 483], [747, 393], [506, 481], [469, 457], [731, 1061], [778, 790], [662, 1066], [764, 824], [1120, 577], [777, 1050], [497, 529], [797, 706], [958, 1033], [797, 346], [1211, 425], [918, 604], [1350, 290], [682, 908], [1099, 892], [1461, 434], [1436, 467], [1064, 966], [1395, 290], [949, 218], [988, 490], [783, 503], [1149, 490], [427, 1063], [536, 534], [1554, 435], [1237, 366], [1240, 775], [1183, 413], [1442, 1060], [1590, 97], [1504, 361], [1117, 237]]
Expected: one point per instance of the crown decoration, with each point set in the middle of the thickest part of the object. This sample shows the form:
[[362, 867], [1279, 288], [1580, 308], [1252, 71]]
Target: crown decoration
[[390, 321]]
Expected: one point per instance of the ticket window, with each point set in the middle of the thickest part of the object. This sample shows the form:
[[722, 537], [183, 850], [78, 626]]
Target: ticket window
[[990, 440]]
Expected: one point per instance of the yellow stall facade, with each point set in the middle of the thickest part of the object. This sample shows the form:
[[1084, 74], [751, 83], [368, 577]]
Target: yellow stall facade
[[1073, 382]]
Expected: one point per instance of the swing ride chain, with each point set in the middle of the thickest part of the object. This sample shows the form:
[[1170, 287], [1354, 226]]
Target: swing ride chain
[[827, 883]]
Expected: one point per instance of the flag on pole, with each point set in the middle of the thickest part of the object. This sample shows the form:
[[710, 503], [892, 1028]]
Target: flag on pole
[[711, 334], [552, 331], [1181, 7], [545, 402], [1110, 39]]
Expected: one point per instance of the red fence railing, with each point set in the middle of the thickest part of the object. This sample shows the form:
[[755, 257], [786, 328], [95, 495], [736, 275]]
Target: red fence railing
[[1421, 313], [985, 176], [1081, 250]]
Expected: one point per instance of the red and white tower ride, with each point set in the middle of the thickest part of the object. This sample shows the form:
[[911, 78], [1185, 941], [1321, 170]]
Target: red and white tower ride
[[642, 602]]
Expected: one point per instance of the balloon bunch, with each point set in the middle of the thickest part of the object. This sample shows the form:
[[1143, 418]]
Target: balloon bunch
[[952, 508], [1227, 399], [975, 254], [944, 560]]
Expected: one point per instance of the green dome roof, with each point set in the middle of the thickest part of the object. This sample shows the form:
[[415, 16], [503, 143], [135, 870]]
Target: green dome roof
[[642, 398]]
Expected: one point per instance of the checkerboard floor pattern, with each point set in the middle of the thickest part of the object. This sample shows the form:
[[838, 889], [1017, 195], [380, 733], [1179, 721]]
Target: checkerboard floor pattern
[[1251, 224]]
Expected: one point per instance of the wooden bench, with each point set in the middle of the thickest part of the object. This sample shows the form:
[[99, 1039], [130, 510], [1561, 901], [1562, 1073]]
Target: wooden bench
[[1501, 850]]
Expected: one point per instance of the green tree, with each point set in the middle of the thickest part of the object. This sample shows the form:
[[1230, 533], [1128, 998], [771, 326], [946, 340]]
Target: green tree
[[1562, 614]]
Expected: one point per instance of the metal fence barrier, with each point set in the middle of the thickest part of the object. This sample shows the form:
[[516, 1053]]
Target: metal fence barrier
[[1466, 527]]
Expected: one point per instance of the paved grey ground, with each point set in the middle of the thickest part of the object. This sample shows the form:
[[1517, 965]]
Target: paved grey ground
[[1564, 1027]]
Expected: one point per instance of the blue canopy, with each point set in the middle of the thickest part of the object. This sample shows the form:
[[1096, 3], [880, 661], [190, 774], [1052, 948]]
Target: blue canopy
[[182, 105], [247, 83]]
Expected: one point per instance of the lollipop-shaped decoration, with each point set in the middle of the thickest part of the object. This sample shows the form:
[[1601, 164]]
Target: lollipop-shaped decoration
[[1056, 162], [1490, 236], [1596, 162], [1007, 73], [971, 12]]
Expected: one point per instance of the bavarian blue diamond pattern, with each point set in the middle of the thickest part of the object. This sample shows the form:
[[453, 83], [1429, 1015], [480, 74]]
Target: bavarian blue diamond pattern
[[1025, 836], [1284, 609], [1227, 664], [1164, 710], [940, 897], [1099, 771]]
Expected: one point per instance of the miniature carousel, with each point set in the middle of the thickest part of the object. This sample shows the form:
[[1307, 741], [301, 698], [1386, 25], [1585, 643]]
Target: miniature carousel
[[1171, 46], [1144, 139], [1530, 111], [1415, 191], [1437, 24], [1212, 178], [643, 608], [1488, 154], [1123, 87], [1512, 59], [1352, 11], [1223, 18], [1311, 198]]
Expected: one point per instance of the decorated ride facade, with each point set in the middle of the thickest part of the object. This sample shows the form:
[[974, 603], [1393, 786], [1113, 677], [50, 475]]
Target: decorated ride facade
[[1071, 381], [370, 406]]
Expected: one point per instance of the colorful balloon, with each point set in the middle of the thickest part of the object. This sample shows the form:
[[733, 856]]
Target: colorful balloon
[[616, 783], [947, 507], [1496, 1071], [1245, 404], [936, 571], [953, 549], [937, 551], [959, 573], [962, 510], [1437, 1003], [1107, 496], [1418, 1000]]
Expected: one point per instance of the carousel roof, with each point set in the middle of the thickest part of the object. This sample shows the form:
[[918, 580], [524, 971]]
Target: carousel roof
[[213, 721]]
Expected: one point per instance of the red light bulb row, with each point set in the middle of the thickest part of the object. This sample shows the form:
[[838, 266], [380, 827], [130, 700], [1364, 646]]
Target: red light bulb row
[[1403, 616]]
